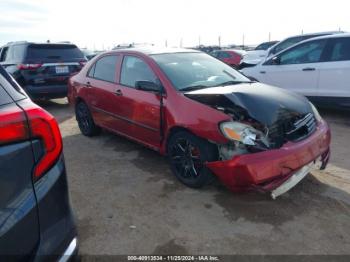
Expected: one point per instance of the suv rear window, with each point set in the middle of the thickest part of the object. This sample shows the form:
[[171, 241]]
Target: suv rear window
[[53, 52]]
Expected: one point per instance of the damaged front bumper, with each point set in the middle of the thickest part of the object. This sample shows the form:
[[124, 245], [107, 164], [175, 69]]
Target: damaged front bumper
[[269, 170]]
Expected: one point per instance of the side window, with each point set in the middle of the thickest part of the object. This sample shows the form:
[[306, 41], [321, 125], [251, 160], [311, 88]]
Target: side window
[[105, 68], [91, 71], [341, 50], [225, 55], [4, 54], [309, 52], [134, 69], [17, 52]]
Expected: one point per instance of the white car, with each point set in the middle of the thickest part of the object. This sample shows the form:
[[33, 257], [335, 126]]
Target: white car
[[255, 58], [318, 68]]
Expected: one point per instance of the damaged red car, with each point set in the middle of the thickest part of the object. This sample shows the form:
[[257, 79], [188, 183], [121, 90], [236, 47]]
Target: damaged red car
[[209, 119]]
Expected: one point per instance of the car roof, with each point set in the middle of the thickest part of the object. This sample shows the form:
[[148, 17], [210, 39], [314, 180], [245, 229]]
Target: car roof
[[340, 35], [155, 50], [318, 33], [37, 43], [329, 36]]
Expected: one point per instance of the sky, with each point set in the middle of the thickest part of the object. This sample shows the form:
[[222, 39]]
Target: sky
[[102, 24]]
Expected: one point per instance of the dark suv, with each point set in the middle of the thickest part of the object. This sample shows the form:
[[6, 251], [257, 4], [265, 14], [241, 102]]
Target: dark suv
[[42, 69], [36, 221]]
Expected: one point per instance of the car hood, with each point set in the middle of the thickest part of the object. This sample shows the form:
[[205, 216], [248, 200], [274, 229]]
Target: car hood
[[255, 101], [254, 56]]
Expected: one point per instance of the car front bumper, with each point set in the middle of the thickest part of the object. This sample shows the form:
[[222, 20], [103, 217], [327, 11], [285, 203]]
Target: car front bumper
[[268, 170]]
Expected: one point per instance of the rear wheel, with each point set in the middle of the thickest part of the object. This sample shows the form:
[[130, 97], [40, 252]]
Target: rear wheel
[[86, 123], [188, 154]]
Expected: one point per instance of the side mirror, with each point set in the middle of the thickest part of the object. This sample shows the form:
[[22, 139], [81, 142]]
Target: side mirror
[[276, 60], [148, 86]]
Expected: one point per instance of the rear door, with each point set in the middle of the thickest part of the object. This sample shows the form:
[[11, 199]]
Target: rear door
[[19, 225], [101, 85], [335, 71], [298, 68]]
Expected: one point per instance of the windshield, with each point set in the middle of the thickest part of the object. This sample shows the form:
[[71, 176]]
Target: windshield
[[189, 71], [265, 46]]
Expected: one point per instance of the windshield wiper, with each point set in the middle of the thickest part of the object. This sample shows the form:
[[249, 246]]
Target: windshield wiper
[[191, 88], [231, 82]]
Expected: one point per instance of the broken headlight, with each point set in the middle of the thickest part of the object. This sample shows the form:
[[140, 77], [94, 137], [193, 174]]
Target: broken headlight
[[243, 133]]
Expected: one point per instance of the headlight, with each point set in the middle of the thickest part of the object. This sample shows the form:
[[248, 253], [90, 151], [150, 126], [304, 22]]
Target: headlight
[[239, 132], [316, 113]]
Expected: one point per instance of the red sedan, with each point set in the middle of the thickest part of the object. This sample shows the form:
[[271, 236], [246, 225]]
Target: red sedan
[[230, 57], [207, 117]]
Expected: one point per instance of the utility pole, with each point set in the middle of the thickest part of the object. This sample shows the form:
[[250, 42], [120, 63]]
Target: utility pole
[[181, 42], [302, 31], [199, 40], [243, 41], [269, 36], [166, 43], [219, 41]]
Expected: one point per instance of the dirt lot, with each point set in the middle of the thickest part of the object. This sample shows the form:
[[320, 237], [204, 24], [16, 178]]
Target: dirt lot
[[126, 201]]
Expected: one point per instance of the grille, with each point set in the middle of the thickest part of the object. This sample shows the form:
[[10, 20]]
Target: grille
[[291, 128]]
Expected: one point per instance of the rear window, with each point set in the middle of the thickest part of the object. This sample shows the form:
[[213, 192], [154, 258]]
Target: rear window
[[4, 97], [53, 51], [10, 85]]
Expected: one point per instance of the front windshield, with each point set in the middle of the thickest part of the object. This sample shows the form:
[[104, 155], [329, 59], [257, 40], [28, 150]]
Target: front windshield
[[189, 71]]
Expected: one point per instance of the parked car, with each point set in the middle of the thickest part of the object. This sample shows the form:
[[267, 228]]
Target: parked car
[[36, 221], [265, 45], [280, 46], [230, 57], [318, 68], [254, 56], [206, 116], [42, 70]]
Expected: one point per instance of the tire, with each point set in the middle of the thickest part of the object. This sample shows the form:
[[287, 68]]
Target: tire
[[85, 121], [187, 154]]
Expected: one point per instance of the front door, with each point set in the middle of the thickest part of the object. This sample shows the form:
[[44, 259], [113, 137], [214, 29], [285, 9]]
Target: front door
[[139, 109], [297, 68]]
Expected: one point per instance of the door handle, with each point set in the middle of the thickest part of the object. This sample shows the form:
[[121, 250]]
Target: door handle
[[118, 92], [88, 84], [309, 69], [262, 72]]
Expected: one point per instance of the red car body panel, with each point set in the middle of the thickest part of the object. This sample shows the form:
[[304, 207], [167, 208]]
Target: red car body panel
[[267, 170], [138, 115], [234, 59]]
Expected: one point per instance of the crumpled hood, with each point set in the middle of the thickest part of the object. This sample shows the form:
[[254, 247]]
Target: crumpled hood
[[266, 104]]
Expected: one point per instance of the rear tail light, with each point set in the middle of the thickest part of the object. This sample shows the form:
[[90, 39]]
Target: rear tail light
[[13, 125], [28, 66], [42, 125]]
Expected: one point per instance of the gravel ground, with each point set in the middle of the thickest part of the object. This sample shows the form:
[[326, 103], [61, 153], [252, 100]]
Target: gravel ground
[[126, 201]]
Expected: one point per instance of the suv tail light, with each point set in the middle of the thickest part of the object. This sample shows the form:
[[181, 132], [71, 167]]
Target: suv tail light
[[42, 125], [28, 66], [13, 125]]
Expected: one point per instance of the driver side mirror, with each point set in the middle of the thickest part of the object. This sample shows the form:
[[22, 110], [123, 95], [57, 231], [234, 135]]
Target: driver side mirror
[[276, 60], [148, 86]]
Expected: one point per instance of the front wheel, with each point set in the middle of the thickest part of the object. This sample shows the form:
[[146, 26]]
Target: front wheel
[[187, 155], [85, 121]]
